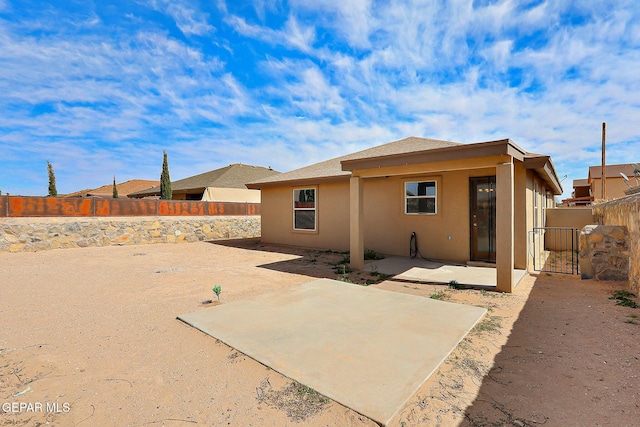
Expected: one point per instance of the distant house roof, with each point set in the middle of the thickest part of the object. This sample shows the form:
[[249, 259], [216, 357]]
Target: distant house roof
[[413, 150], [233, 176], [613, 171], [124, 189], [580, 183]]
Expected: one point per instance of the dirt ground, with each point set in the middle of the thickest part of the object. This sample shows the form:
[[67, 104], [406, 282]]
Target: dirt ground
[[89, 337]]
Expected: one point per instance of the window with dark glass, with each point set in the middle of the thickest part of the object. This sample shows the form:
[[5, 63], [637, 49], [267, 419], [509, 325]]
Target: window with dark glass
[[420, 197], [304, 209]]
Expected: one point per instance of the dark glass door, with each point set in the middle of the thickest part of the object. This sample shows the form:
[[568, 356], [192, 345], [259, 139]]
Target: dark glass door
[[483, 218]]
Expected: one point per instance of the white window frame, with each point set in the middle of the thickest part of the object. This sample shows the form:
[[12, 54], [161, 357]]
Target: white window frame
[[299, 209], [434, 197]]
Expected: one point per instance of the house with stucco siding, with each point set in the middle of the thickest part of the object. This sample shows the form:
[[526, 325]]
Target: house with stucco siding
[[464, 202]]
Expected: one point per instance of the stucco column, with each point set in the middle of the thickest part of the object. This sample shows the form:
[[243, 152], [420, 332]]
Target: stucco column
[[504, 226], [520, 235], [356, 224]]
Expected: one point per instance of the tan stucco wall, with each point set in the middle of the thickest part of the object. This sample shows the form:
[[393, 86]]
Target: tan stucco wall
[[564, 218], [615, 188], [570, 217], [536, 188], [332, 217], [241, 195], [387, 229]]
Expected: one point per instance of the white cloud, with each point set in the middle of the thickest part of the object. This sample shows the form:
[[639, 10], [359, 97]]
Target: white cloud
[[79, 100], [189, 20], [262, 7], [352, 19], [293, 35]]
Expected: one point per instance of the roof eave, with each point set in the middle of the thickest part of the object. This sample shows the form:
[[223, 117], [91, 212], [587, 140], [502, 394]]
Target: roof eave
[[544, 167], [299, 182], [468, 151]]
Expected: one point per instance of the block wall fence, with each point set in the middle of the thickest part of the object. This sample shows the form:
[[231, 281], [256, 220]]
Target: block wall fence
[[38, 234], [25, 206], [625, 212]]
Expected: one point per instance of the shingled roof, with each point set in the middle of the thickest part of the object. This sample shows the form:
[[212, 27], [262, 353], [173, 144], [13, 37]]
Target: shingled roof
[[124, 189], [409, 151], [331, 170], [612, 171], [233, 176]]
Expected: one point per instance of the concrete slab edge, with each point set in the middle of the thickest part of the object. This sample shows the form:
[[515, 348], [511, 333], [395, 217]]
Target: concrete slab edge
[[401, 406], [186, 322], [382, 423]]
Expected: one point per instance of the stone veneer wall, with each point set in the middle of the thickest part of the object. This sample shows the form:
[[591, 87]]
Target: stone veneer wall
[[604, 252], [626, 212], [39, 234]]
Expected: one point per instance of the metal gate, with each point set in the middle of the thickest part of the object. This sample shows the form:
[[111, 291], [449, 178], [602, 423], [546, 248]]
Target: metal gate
[[554, 249]]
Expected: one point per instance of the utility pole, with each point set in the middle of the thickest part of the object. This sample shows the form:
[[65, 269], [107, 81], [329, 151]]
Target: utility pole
[[604, 164]]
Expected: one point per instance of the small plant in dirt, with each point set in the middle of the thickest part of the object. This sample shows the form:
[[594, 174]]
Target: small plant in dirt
[[346, 259], [308, 394], [381, 277], [298, 401], [370, 254], [623, 298], [489, 324], [217, 289], [437, 295], [453, 284], [345, 278], [342, 269]]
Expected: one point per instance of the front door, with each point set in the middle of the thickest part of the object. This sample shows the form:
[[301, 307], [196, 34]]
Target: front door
[[482, 203]]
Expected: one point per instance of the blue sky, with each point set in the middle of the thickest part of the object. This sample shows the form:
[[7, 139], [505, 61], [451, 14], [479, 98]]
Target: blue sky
[[102, 88]]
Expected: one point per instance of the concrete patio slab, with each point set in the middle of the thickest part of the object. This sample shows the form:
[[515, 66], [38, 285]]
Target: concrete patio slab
[[366, 348], [421, 270], [395, 265], [472, 276]]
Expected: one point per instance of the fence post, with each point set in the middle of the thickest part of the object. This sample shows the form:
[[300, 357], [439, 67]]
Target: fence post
[[574, 265], [7, 205], [157, 206]]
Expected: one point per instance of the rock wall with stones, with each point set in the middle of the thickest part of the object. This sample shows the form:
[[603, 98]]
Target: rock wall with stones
[[39, 234], [625, 211], [604, 252]]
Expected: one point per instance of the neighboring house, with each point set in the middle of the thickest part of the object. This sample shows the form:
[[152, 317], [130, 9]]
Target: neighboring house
[[581, 195], [124, 189], [465, 202], [227, 184], [587, 190], [615, 183]]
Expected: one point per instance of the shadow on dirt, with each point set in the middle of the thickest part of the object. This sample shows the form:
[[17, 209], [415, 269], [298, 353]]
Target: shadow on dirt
[[310, 262], [571, 359]]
